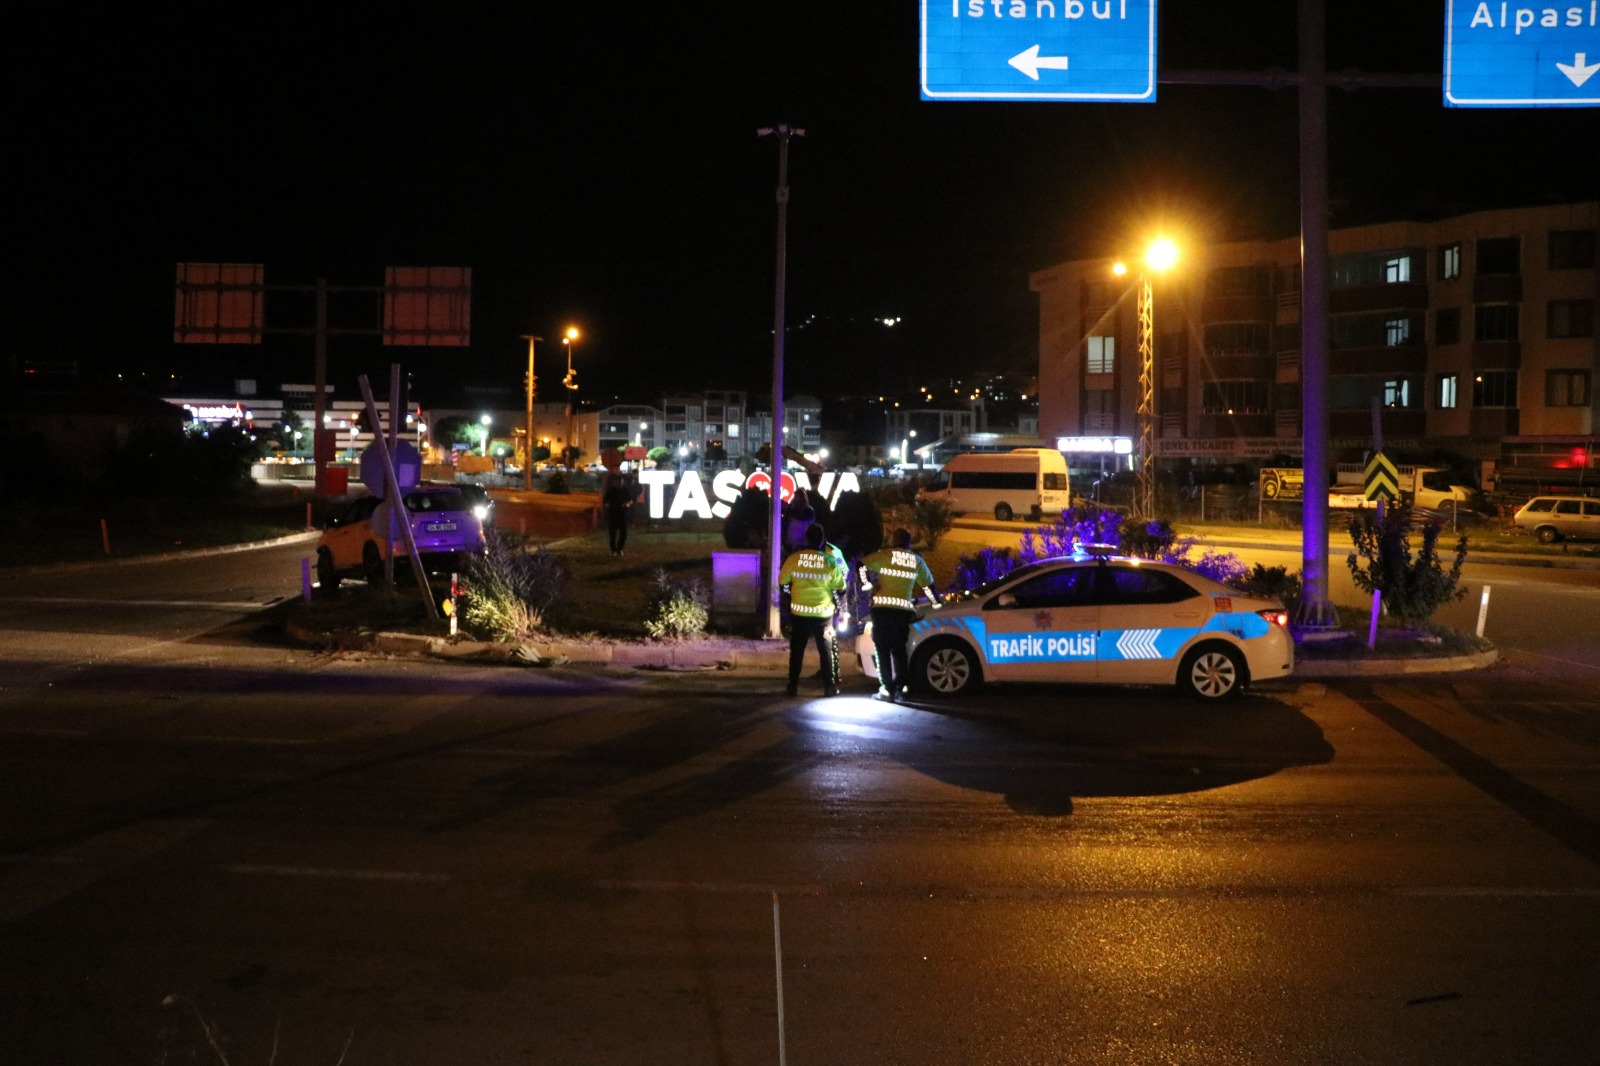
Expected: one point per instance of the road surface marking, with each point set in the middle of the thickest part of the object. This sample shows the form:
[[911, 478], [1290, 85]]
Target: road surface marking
[[328, 872], [72, 601]]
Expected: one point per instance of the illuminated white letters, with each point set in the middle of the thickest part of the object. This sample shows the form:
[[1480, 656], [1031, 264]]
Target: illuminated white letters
[[689, 495], [1519, 19]]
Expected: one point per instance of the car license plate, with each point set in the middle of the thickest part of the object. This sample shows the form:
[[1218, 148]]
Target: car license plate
[[439, 527]]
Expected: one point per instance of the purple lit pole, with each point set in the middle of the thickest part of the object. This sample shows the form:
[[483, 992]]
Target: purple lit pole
[[1315, 609], [775, 530]]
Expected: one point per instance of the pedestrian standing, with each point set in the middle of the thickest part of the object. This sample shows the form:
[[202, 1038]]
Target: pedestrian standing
[[618, 503], [814, 578], [896, 574]]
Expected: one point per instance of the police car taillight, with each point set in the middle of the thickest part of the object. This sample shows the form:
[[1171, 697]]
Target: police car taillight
[[1278, 617]]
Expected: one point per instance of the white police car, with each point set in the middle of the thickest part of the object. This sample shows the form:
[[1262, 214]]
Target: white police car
[[1108, 620]]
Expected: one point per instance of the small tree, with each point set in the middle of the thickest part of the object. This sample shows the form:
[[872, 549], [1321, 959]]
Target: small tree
[[1413, 587], [658, 455], [931, 519]]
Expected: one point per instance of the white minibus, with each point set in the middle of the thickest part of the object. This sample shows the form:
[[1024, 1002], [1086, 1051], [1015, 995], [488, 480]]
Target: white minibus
[[1024, 481]]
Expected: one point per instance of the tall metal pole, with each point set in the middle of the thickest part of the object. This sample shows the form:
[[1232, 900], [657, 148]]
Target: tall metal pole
[[775, 530], [319, 399], [572, 387], [1315, 608], [1144, 506], [527, 458]]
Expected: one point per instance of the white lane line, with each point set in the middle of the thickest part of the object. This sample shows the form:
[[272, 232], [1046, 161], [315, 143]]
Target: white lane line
[[212, 605], [710, 887], [328, 872], [1498, 892], [265, 742], [1552, 658], [41, 731]]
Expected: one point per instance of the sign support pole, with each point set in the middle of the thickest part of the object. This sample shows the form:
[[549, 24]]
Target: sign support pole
[[775, 526]]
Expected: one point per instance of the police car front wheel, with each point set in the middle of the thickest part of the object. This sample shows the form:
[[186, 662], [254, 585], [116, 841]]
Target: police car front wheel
[[1212, 672], [944, 668]]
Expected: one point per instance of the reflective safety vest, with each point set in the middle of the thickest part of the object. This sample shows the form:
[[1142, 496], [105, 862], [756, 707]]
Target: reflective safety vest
[[896, 574], [812, 577]]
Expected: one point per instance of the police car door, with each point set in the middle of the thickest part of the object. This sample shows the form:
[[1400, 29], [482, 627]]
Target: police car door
[[1043, 628], [1146, 617]]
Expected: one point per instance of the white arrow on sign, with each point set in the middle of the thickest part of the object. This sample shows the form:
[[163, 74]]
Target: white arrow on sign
[[1030, 62], [1577, 72]]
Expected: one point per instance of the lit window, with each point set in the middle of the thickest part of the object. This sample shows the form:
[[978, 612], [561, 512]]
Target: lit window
[[1445, 397], [1397, 331], [1101, 355], [1449, 261], [1397, 269]]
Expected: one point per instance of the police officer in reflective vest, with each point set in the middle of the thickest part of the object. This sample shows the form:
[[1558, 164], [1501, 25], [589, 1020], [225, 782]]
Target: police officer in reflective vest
[[895, 573], [813, 576]]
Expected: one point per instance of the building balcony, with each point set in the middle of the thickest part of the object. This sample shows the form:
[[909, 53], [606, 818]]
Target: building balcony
[[1495, 355], [1288, 368], [1399, 359], [1227, 365], [1497, 288], [1495, 422], [1402, 296], [1237, 309], [1236, 425], [1398, 423]]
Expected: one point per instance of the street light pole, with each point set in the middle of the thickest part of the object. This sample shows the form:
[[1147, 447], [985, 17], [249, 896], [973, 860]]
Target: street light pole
[[775, 527], [527, 459], [571, 382], [1144, 504]]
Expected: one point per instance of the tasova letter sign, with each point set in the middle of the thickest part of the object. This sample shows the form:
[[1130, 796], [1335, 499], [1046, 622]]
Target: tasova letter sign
[[1087, 50], [1518, 54], [689, 494]]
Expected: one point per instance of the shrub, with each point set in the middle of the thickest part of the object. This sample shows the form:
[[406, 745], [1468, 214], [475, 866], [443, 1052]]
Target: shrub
[[508, 590], [678, 609], [1273, 583], [981, 568], [931, 520], [1413, 587], [1091, 524]]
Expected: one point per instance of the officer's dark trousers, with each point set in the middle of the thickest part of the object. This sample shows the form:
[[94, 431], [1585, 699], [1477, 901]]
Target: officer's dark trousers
[[891, 628], [617, 527], [802, 630]]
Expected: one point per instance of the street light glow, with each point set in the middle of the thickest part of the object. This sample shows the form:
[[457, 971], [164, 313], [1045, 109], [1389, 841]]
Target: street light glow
[[1161, 255]]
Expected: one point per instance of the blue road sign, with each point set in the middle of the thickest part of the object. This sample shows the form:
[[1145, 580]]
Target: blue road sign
[[1501, 53], [1085, 50]]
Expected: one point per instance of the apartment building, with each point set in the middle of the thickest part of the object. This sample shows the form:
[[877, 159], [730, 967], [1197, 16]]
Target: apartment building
[[1476, 334]]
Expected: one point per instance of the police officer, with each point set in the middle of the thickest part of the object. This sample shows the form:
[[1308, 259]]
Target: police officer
[[895, 574], [814, 577]]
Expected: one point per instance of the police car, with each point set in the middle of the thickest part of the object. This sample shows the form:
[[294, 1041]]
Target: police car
[[1103, 619]]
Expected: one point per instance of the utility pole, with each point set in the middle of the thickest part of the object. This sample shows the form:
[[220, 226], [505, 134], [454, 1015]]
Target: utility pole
[[775, 529], [527, 460]]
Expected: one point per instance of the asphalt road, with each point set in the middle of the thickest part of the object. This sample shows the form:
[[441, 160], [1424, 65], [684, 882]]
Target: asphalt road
[[210, 836]]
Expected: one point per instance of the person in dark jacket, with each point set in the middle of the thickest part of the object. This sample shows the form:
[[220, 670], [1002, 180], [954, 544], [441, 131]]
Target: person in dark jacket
[[617, 499]]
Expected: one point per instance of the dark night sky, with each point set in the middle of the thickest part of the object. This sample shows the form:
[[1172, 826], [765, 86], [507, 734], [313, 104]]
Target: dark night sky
[[599, 164]]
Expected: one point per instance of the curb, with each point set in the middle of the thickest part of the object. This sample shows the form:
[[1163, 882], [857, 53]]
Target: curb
[[686, 655], [1310, 669], [754, 656]]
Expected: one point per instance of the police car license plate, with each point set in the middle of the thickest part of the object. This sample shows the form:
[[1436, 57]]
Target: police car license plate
[[439, 527]]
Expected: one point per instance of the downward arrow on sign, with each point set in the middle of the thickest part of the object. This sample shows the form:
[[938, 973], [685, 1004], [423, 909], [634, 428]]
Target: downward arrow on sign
[[1578, 71], [1030, 62]]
